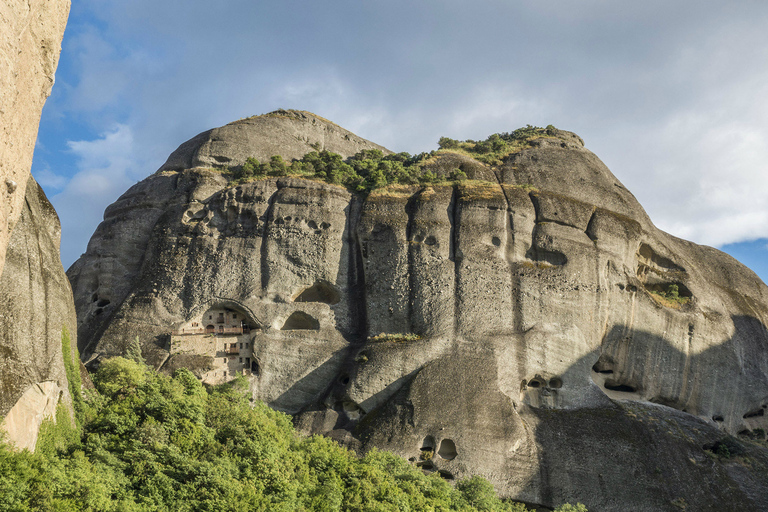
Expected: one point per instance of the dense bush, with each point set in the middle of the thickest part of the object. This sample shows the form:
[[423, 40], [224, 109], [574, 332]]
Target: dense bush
[[154, 443], [371, 169]]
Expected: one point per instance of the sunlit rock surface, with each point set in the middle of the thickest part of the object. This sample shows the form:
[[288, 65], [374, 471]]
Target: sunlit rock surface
[[513, 325], [30, 42], [35, 308]]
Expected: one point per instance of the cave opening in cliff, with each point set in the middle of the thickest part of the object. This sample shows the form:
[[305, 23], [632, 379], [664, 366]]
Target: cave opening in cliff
[[624, 388], [447, 449], [321, 291], [300, 321]]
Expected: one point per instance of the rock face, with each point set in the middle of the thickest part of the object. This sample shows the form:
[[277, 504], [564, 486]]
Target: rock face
[[35, 308], [35, 298], [30, 42], [526, 327]]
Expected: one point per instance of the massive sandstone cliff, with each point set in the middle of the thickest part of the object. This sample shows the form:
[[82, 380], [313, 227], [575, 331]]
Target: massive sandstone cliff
[[511, 325], [30, 42], [36, 305]]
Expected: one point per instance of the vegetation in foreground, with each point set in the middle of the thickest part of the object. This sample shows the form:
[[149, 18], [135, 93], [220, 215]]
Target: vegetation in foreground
[[149, 442], [371, 169]]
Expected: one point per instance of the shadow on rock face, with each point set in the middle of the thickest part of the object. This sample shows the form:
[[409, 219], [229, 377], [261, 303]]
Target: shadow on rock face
[[584, 446]]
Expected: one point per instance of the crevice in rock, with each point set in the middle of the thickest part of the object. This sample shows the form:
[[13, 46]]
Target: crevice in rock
[[453, 255], [616, 386], [410, 210], [754, 413], [265, 240]]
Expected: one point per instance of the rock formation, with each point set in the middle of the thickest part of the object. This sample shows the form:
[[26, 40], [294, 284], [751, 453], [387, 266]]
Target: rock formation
[[35, 298], [30, 42], [36, 309], [529, 324]]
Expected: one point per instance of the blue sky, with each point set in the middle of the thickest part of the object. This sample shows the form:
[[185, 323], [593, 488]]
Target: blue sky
[[670, 95]]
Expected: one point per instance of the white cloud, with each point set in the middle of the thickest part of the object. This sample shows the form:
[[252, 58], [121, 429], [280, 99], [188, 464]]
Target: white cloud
[[106, 168], [48, 179]]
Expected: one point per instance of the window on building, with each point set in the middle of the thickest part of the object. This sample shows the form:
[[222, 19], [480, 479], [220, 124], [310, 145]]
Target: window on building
[[241, 345], [246, 345], [225, 374], [234, 315], [241, 359]]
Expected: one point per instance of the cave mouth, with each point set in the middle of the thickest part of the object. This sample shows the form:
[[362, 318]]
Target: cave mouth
[[300, 321], [604, 364], [447, 449], [615, 386], [428, 444], [321, 291]]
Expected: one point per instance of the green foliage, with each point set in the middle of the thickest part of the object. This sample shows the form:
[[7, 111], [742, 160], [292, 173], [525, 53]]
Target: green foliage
[[499, 145], [370, 169], [72, 370], [158, 443], [671, 296], [133, 351]]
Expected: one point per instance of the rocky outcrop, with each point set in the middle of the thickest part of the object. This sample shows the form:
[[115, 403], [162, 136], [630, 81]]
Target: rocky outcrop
[[35, 298], [530, 325], [30, 42], [36, 312], [288, 133]]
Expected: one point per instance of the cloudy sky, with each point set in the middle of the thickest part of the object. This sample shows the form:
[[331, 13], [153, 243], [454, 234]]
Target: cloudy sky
[[670, 95]]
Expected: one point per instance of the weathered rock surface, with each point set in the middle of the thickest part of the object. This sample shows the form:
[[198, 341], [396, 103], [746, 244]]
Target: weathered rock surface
[[288, 133], [35, 307], [30, 42], [35, 297], [513, 329]]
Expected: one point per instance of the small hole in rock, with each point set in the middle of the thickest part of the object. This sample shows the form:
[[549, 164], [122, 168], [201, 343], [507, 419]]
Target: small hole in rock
[[288, 218], [94, 297], [445, 474], [534, 384], [344, 379], [555, 383], [312, 224], [428, 444], [102, 303], [755, 413], [325, 225], [98, 311], [496, 241], [430, 240], [718, 419]]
